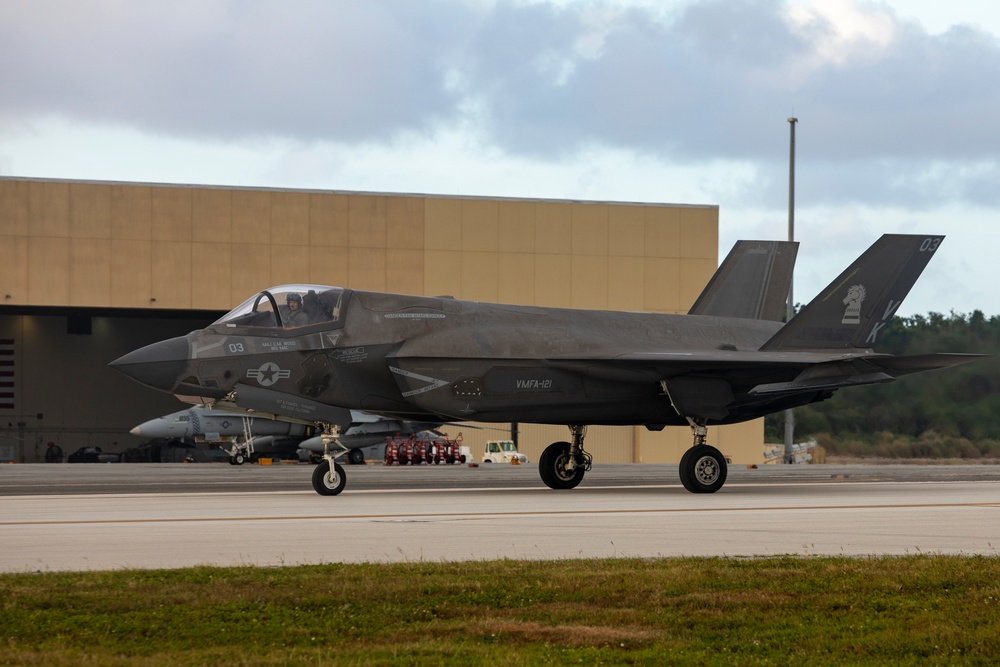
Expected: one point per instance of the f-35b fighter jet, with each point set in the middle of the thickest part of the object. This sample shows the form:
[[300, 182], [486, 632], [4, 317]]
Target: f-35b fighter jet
[[311, 353]]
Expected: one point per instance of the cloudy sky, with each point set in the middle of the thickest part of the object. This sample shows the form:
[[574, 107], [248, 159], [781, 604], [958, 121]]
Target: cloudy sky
[[681, 101]]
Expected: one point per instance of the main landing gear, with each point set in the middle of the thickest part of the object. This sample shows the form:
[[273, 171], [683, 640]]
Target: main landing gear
[[328, 477], [563, 464], [703, 467]]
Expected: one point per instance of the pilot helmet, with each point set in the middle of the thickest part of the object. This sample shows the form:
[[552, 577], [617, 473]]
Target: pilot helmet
[[294, 296]]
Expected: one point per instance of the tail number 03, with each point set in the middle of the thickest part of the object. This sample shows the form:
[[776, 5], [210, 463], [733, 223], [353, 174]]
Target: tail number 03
[[930, 244]]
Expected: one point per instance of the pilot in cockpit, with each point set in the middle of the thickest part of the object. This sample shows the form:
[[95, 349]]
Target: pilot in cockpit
[[293, 315]]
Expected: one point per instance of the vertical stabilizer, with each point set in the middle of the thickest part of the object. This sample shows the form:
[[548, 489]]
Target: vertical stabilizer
[[854, 308], [751, 283]]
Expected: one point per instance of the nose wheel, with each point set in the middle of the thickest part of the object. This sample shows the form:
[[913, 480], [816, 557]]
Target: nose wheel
[[329, 478], [327, 482]]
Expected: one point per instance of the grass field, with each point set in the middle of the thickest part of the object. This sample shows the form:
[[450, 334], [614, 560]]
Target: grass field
[[824, 611]]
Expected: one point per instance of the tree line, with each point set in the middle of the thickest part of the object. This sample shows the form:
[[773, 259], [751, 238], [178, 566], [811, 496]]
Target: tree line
[[951, 413]]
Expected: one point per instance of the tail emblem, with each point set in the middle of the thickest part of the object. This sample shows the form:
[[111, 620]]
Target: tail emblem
[[855, 295]]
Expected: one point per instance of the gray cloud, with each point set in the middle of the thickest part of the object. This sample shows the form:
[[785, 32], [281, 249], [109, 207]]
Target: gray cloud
[[909, 123], [719, 81], [897, 182], [356, 71]]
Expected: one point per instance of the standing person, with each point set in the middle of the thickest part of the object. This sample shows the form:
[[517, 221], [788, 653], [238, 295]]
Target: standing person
[[53, 453]]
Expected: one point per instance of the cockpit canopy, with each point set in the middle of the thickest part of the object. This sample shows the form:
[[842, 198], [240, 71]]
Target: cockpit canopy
[[287, 307]]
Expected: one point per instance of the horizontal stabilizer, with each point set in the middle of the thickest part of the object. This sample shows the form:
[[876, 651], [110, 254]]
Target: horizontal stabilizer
[[798, 386], [854, 308], [918, 363], [751, 283], [861, 371]]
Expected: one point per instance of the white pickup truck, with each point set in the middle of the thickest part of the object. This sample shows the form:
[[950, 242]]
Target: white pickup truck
[[503, 451]]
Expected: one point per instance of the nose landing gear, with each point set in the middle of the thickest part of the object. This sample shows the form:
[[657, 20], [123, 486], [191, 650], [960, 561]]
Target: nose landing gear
[[329, 478]]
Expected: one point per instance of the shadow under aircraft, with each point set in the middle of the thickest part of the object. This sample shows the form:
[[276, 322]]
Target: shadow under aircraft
[[730, 359]]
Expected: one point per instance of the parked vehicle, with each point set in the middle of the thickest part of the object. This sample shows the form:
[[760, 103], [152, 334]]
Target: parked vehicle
[[173, 451], [503, 451], [92, 455]]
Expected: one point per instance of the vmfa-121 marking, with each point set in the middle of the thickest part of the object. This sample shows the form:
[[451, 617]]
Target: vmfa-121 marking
[[728, 360]]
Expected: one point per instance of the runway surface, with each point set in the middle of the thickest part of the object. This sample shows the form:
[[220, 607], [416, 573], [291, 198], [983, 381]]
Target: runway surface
[[95, 517]]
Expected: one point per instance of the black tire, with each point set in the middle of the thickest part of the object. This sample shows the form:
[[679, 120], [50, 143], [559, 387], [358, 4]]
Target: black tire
[[239, 460], [552, 467], [356, 457], [703, 469], [683, 467], [322, 483]]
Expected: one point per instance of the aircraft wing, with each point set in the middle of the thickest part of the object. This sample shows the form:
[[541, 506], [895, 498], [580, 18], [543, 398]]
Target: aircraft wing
[[712, 385], [895, 365]]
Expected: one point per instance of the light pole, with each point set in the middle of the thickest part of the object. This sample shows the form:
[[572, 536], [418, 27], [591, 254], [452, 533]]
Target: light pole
[[790, 311]]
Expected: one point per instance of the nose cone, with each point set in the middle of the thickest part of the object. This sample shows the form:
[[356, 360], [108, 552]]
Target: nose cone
[[160, 365], [158, 428]]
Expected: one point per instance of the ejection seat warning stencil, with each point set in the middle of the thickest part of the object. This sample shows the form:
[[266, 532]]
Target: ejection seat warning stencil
[[351, 355]]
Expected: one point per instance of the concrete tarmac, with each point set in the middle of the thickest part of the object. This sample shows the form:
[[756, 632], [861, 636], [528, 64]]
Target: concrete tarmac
[[86, 517], [87, 478]]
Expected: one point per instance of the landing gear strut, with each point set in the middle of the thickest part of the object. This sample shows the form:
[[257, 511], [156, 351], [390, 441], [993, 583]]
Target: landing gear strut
[[329, 478], [703, 467], [241, 452], [563, 464]]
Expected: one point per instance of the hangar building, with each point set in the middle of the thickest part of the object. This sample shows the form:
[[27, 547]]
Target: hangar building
[[92, 270]]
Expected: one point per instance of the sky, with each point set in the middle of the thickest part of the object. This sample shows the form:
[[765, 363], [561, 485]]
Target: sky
[[682, 101]]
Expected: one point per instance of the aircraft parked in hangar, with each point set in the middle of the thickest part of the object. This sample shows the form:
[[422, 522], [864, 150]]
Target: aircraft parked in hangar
[[440, 359], [253, 436]]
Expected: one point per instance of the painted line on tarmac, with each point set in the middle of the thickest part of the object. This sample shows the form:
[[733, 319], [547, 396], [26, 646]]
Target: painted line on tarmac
[[426, 516], [307, 490]]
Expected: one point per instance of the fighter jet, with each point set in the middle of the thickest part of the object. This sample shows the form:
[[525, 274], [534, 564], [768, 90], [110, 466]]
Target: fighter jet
[[261, 435], [443, 359]]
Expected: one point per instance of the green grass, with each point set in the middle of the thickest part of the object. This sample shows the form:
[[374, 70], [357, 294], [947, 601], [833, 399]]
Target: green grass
[[787, 610]]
